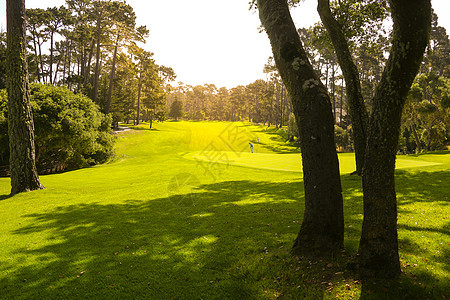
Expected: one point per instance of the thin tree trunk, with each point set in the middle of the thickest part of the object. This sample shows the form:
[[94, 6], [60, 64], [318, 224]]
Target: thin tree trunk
[[24, 176], [41, 61], [111, 77], [341, 101], [139, 98], [378, 248], [357, 111], [97, 59], [333, 89], [65, 60], [69, 63], [83, 60], [38, 72], [51, 58], [87, 70], [428, 130], [416, 138], [322, 230], [56, 71]]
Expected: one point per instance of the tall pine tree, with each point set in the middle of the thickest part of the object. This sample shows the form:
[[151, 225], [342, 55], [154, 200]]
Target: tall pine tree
[[24, 175]]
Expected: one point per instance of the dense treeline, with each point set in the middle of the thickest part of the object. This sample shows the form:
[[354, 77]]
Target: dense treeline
[[90, 51], [425, 125], [92, 47], [263, 101]]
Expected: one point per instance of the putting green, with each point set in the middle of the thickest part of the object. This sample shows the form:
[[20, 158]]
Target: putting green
[[287, 162]]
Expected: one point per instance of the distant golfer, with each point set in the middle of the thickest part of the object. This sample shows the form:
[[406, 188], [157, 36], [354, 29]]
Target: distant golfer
[[251, 147]]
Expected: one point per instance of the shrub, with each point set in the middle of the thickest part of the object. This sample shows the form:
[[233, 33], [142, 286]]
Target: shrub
[[341, 138], [70, 130]]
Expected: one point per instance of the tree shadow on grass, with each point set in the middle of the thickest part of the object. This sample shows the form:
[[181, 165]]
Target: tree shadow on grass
[[4, 197], [416, 190], [223, 240], [422, 187], [278, 144], [188, 246], [142, 128]]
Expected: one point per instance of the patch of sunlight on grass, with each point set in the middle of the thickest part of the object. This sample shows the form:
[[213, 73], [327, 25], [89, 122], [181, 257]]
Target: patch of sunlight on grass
[[203, 215], [402, 163]]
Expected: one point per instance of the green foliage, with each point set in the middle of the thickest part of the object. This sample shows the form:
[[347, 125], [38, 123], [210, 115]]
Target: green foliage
[[70, 131], [108, 232], [426, 107], [427, 110], [341, 138], [199, 115], [361, 20], [176, 109]]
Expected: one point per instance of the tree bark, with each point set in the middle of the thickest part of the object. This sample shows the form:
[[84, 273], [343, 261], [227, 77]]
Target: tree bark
[[322, 230], [378, 248], [38, 72], [97, 58], [24, 175], [416, 138], [51, 58], [87, 69], [358, 113], [138, 107], [111, 77]]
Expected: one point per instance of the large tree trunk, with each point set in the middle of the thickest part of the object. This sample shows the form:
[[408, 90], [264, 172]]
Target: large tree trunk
[[378, 248], [322, 230], [24, 175], [358, 112]]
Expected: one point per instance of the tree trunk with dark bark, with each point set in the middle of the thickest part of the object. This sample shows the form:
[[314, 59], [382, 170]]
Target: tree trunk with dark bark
[[24, 175], [378, 248], [358, 113], [322, 230]]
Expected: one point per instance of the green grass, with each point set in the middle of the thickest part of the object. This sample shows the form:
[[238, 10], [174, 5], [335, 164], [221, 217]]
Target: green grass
[[180, 214]]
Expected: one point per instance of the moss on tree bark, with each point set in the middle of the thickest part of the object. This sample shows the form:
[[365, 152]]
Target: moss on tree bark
[[322, 230], [24, 175], [378, 248]]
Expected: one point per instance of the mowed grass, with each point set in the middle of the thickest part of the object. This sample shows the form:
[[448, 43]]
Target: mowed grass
[[186, 212]]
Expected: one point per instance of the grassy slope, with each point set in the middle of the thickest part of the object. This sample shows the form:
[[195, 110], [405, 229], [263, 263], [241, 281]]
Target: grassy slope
[[165, 220]]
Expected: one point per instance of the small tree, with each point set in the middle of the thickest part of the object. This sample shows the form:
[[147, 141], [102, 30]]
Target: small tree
[[176, 110]]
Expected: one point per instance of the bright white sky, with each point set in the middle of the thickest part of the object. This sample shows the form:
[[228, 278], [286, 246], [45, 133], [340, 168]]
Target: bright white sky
[[212, 41]]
